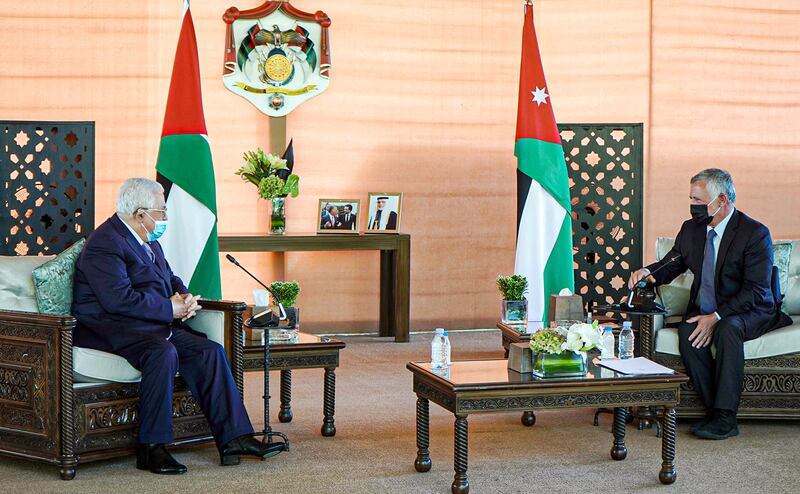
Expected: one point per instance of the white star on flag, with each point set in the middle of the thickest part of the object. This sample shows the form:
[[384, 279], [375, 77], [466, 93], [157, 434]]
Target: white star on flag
[[540, 96]]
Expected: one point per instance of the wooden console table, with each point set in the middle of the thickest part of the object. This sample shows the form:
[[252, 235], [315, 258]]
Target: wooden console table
[[395, 266]]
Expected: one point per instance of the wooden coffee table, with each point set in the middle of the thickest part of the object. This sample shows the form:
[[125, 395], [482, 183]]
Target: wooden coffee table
[[308, 352], [480, 386]]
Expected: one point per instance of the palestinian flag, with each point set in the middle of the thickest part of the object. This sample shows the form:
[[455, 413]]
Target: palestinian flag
[[185, 170], [544, 225]]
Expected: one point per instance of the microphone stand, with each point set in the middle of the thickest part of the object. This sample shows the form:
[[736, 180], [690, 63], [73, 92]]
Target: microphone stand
[[268, 435]]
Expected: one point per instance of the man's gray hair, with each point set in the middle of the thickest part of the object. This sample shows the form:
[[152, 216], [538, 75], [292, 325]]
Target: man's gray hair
[[137, 193], [717, 182]]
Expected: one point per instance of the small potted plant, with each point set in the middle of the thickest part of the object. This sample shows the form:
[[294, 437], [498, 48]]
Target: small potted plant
[[288, 292], [561, 351], [273, 177], [514, 307]]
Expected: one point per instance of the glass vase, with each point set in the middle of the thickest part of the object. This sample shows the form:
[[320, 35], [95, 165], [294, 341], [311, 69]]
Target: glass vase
[[514, 312], [277, 218], [293, 316], [564, 364]]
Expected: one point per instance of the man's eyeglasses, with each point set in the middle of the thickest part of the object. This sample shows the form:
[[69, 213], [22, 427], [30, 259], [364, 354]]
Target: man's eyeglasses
[[164, 211]]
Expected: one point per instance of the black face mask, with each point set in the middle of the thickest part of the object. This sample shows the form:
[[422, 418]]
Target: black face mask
[[700, 214]]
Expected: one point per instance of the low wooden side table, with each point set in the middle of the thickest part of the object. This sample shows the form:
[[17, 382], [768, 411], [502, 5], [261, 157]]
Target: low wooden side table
[[308, 352], [513, 334]]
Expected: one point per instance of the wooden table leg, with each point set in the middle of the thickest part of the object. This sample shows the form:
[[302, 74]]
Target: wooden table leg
[[387, 286], [402, 289], [423, 461], [619, 451], [667, 475], [329, 404], [528, 419], [460, 483], [285, 415]]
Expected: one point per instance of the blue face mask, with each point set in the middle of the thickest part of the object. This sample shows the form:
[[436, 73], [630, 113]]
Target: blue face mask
[[158, 230]]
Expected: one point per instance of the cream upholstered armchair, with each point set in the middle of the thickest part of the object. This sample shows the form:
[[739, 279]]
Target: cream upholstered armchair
[[65, 405], [772, 362]]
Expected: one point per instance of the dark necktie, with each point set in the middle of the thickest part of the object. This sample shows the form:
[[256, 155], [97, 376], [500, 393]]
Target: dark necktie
[[706, 298], [149, 251]]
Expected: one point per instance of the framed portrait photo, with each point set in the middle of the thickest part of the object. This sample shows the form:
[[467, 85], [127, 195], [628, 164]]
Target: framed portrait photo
[[338, 215], [383, 215]]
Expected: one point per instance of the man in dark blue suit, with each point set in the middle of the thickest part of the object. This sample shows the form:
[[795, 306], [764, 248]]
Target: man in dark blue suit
[[733, 298], [128, 302], [347, 218]]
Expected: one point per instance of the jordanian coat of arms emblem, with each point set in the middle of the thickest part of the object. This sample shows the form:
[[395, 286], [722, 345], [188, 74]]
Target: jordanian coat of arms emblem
[[276, 56]]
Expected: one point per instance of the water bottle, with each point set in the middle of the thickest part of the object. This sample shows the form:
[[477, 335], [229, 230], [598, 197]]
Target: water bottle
[[437, 357], [626, 341], [608, 344], [589, 319], [446, 349]]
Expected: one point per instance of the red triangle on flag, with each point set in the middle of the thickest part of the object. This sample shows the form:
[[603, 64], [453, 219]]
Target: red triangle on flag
[[535, 118], [184, 112]]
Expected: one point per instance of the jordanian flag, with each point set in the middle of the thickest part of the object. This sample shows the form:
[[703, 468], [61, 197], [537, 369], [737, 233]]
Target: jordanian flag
[[544, 226], [185, 170]]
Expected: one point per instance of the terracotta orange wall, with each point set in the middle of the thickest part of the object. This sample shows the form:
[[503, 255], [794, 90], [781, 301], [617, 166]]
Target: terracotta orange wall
[[726, 93], [423, 100]]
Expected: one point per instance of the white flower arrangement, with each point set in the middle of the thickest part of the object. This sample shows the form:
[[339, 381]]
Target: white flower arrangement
[[581, 337]]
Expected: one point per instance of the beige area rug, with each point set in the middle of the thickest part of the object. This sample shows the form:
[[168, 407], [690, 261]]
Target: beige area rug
[[374, 449]]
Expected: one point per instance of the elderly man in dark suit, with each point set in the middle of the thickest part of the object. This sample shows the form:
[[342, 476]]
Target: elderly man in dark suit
[[731, 299], [128, 302]]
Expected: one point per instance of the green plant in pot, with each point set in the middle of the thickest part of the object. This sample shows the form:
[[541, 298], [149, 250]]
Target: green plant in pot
[[514, 306], [273, 177], [288, 292]]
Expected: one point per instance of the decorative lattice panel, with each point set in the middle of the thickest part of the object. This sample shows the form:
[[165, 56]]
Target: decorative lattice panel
[[48, 185], [605, 178]]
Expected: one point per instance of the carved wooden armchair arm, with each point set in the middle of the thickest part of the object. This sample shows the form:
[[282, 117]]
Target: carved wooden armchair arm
[[221, 320], [36, 380]]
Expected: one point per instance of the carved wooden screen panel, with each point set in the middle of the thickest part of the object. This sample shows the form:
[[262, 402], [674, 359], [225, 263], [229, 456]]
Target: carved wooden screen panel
[[605, 178], [48, 185]]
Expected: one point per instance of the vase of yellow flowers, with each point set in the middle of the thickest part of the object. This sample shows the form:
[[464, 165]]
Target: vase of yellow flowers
[[273, 177]]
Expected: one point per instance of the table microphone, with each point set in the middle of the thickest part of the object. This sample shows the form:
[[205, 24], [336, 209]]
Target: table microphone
[[641, 283], [274, 295]]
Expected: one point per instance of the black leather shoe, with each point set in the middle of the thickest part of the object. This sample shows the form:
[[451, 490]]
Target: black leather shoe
[[722, 426], [156, 458], [702, 423], [248, 446], [699, 425]]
